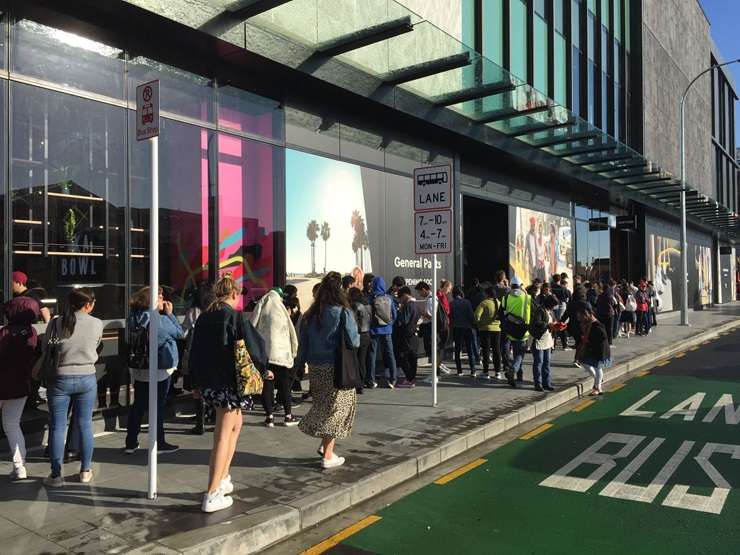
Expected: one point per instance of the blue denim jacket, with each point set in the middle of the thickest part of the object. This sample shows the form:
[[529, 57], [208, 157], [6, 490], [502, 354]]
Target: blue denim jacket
[[319, 344], [168, 332]]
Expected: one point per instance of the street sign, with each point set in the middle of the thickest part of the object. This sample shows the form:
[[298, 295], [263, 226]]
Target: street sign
[[433, 232], [433, 188], [147, 111]]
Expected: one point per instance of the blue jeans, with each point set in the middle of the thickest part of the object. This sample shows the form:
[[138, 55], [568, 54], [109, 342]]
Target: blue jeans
[[541, 367], [82, 392], [140, 406], [516, 357], [386, 343]]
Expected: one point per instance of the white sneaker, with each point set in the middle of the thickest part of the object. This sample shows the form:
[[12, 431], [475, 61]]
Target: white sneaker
[[333, 462], [19, 473], [215, 501], [444, 369], [226, 486], [499, 375], [86, 476]]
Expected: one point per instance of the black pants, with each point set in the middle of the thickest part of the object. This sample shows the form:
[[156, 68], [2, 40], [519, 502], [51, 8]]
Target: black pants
[[362, 354], [141, 405], [490, 341], [607, 321], [426, 333], [284, 382], [463, 338], [406, 355]]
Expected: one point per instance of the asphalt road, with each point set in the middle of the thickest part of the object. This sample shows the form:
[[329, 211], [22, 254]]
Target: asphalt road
[[652, 467]]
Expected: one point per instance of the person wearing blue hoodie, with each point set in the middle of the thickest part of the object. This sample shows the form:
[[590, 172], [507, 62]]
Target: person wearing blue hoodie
[[168, 332], [384, 313]]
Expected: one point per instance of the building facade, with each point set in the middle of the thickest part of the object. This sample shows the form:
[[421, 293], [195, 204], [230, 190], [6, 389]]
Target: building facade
[[290, 131]]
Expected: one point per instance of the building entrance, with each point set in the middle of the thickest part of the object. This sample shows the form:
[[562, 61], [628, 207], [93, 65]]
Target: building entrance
[[485, 239]]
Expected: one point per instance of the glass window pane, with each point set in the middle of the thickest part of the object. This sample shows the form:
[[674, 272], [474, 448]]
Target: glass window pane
[[591, 92], [68, 195], [540, 54], [575, 23], [605, 89], [618, 19], [519, 38], [183, 209], [560, 73], [66, 59], [576, 81], [590, 36], [558, 15], [591, 5], [583, 266], [180, 92], [539, 7], [493, 30], [249, 173], [249, 113], [605, 14]]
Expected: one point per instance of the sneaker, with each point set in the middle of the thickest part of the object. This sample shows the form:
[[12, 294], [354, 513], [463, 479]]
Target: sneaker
[[215, 501], [484, 376], [54, 481], [538, 387], [473, 375], [444, 369], [165, 447], [131, 450], [390, 385], [405, 384], [576, 364], [226, 486], [333, 462], [86, 476], [459, 373], [19, 473], [549, 388], [371, 385], [291, 420], [499, 375], [270, 422]]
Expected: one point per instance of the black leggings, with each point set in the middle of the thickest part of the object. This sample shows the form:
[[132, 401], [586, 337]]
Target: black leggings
[[490, 341], [284, 383]]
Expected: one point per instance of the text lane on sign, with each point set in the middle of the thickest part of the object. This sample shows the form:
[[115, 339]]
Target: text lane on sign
[[147, 110], [433, 231], [433, 188]]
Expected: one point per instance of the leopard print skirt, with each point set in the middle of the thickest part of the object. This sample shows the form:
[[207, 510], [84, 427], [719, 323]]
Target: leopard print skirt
[[332, 413]]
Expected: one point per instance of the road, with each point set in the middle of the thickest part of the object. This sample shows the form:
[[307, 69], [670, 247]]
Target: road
[[652, 466]]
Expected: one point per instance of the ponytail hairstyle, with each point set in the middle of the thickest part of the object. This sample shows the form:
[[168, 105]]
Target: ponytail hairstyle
[[225, 289], [76, 300]]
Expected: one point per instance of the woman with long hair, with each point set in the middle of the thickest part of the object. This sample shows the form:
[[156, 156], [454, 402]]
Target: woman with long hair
[[74, 381], [213, 373], [332, 413]]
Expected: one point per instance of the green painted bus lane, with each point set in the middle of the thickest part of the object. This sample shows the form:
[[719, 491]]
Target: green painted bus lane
[[650, 468]]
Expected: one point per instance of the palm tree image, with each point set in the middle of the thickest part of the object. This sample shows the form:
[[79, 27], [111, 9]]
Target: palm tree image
[[325, 234], [361, 241], [312, 232]]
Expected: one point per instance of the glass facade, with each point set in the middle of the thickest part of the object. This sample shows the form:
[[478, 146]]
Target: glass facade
[[518, 33], [723, 140], [493, 31], [593, 245]]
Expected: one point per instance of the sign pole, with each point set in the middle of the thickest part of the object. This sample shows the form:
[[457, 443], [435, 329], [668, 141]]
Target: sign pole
[[435, 362], [153, 318]]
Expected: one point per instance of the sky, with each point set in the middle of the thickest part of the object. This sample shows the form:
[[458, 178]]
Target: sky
[[724, 17]]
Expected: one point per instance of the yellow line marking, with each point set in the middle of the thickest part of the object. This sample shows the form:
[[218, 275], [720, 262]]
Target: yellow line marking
[[537, 431], [664, 362], [459, 472], [583, 405], [647, 372], [342, 535], [680, 355], [617, 387]]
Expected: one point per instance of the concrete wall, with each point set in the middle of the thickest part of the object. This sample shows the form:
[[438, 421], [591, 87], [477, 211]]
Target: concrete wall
[[676, 46]]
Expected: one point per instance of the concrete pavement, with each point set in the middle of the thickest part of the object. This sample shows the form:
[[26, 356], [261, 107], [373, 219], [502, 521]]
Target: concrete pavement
[[280, 488]]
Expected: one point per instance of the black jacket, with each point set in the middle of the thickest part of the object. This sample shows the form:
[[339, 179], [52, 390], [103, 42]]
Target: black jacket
[[406, 322], [538, 321], [597, 344], [576, 305], [605, 305], [211, 362]]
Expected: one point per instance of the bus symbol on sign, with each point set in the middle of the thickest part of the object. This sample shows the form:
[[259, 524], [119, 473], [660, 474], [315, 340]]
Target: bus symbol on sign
[[433, 188]]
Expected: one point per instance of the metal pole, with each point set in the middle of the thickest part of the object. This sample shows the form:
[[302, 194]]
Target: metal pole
[[435, 362], [153, 318], [684, 246]]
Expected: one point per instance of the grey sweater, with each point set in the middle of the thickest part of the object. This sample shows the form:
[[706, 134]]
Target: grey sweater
[[79, 352]]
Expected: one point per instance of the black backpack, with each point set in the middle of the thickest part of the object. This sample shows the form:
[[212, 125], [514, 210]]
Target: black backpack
[[138, 348]]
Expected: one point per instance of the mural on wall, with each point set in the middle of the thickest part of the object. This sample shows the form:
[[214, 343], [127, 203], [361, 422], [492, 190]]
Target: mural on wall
[[540, 245], [664, 262]]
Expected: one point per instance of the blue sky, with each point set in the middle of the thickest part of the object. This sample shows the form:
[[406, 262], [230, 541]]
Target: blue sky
[[724, 16]]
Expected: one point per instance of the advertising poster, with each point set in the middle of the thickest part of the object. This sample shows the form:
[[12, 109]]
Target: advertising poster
[[350, 219], [540, 245], [664, 263]]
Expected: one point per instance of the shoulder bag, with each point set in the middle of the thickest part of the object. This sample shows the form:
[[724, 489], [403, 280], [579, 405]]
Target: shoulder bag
[[346, 363], [248, 378], [46, 366]]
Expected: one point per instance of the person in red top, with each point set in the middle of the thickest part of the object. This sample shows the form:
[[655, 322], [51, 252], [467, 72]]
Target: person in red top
[[443, 296]]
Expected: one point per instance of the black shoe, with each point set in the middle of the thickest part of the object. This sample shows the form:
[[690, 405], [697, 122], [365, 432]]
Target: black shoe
[[165, 447], [538, 387], [549, 388], [359, 390], [196, 431], [306, 396], [519, 377]]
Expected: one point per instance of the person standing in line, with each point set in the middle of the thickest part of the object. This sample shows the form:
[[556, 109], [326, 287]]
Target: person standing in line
[[577, 303], [272, 321], [489, 327], [606, 309], [74, 382], [381, 329], [643, 307], [293, 304], [543, 327], [443, 331], [594, 352], [405, 329], [618, 307], [425, 326], [562, 293], [18, 349], [213, 371], [654, 304], [363, 314], [332, 413], [20, 289], [545, 292], [476, 295], [168, 332], [627, 318], [502, 285], [202, 299], [517, 310], [463, 322]]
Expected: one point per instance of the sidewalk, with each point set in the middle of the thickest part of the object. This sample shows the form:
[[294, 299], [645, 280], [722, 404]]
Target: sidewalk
[[280, 488]]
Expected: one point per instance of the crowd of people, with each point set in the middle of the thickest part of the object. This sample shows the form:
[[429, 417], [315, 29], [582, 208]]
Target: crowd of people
[[494, 324]]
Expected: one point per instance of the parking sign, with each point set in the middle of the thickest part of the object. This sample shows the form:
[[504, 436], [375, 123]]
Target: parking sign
[[147, 110]]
